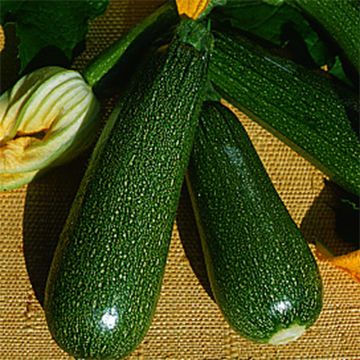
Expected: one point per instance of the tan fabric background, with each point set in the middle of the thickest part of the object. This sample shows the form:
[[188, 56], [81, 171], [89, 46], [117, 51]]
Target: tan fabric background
[[187, 324]]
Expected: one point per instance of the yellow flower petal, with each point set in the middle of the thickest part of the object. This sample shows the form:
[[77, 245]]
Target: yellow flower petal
[[47, 118], [13, 181], [349, 263], [191, 8]]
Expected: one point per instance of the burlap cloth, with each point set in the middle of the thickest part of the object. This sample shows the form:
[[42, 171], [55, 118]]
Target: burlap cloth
[[187, 324]]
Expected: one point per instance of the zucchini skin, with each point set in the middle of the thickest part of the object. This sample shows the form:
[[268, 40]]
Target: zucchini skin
[[107, 270], [300, 107], [262, 273]]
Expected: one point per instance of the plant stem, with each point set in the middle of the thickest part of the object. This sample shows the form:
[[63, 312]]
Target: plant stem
[[158, 21]]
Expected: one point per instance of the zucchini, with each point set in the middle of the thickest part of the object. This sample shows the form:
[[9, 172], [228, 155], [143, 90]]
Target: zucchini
[[341, 19], [261, 270], [303, 108], [107, 270]]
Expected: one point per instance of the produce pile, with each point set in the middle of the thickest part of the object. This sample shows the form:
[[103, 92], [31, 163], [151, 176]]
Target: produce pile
[[171, 124]]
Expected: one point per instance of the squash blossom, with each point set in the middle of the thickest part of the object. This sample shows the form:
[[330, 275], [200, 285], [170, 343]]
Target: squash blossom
[[46, 119], [196, 9], [191, 8], [51, 115]]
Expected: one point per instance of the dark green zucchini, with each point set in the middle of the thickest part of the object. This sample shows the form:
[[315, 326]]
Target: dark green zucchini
[[106, 274], [341, 19], [261, 270], [304, 109]]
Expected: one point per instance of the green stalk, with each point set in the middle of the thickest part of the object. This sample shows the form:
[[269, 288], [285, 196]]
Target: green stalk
[[150, 27]]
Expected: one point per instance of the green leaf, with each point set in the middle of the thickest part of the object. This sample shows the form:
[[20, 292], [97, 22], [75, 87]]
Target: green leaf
[[7, 9], [51, 23], [212, 4], [338, 71], [317, 49], [276, 22]]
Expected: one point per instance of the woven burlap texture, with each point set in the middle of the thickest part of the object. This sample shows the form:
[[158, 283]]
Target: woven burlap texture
[[187, 323]]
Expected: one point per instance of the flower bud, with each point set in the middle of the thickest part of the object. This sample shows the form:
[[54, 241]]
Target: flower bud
[[47, 118], [191, 8], [196, 9]]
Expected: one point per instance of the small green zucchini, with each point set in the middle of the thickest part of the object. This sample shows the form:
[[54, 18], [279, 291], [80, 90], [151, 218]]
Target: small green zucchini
[[107, 270], [302, 108], [262, 273]]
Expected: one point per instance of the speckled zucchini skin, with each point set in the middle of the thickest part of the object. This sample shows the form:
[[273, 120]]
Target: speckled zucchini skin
[[300, 107], [106, 274], [262, 272]]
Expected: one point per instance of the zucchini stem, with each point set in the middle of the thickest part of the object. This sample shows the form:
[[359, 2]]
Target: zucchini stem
[[159, 20], [285, 336]]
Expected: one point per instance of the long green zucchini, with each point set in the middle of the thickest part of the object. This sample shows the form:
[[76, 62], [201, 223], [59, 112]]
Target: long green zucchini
[[302, 108], [341, 19], [261, 270], [106, 274]]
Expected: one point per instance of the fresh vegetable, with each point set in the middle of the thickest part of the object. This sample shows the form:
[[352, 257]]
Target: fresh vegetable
[[262, 272], [47, 118], [341, 19], [51, 114], [106, 275], [304, 109]]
